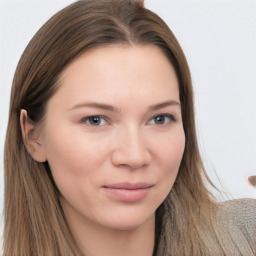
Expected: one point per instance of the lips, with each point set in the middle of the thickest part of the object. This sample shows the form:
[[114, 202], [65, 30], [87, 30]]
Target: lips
[[129, 186], [128, 192]]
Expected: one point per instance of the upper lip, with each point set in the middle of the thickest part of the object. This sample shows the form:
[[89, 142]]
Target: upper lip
[[129, 186]]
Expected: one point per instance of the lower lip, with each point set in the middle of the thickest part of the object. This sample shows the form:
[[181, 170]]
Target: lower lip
[[127, 195]]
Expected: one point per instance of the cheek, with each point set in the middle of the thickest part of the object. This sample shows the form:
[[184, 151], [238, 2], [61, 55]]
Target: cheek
[[74, 163], [73, 160], [171, 149], [170, 156], [73, 152]]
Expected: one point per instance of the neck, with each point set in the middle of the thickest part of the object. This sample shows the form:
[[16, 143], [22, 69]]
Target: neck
[[96, 240]]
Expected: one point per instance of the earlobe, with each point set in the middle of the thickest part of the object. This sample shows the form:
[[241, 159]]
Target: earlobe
[[31, 137]]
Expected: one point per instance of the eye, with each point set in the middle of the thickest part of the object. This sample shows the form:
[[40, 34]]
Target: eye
[[94, 120], [162, 119]]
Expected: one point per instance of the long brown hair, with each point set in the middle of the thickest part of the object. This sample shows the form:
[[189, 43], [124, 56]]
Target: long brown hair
[[34, 220]]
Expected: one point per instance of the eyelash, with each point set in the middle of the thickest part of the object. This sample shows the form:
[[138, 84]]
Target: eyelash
[[90, 118]]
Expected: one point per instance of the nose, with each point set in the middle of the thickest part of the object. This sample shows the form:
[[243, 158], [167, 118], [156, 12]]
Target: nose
[[130, 150]]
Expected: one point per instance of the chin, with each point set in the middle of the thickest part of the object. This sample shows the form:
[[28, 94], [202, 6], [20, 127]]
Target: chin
[[127, 223]]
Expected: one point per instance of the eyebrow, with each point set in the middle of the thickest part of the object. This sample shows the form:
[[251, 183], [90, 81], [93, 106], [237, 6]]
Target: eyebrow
[[115, 109], [163, 105], [96, 105]]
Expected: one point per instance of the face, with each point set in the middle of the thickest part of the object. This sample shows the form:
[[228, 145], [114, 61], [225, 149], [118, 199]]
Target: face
[[113, 135]]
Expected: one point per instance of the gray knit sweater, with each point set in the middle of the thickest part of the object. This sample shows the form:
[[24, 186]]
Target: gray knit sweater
[[234, 231], [238, 220]]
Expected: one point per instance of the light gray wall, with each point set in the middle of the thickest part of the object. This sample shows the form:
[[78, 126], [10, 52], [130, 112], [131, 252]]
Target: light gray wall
[[219, 40]]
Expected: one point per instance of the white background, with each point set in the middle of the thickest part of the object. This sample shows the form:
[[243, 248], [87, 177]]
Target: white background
[[219, 40]]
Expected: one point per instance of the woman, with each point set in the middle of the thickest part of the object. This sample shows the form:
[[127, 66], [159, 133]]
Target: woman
[[101, 155]]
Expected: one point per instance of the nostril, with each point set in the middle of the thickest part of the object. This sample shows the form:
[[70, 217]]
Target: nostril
[[131, 162], [137, 163], [131, 158]]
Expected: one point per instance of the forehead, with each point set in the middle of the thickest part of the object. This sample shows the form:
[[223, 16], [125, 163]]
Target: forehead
[[115, 71]]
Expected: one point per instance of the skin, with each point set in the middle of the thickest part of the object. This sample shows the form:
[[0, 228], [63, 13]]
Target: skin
[[135, 138]]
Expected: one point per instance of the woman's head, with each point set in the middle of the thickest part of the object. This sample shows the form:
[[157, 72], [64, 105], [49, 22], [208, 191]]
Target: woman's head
[[112, 135], [75, 34]]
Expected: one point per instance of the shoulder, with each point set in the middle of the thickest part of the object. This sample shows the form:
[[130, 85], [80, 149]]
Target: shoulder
[[238, 217], [242, 211]]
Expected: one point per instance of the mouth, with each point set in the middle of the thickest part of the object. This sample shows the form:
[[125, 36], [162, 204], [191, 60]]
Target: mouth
[[128, 192], [129, 186]]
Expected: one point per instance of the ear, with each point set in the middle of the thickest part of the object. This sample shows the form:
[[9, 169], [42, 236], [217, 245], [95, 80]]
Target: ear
[[31, 136]]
